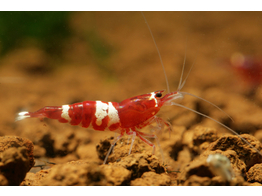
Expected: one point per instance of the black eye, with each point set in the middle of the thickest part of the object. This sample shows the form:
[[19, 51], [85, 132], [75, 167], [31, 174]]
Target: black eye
[[158, 94]]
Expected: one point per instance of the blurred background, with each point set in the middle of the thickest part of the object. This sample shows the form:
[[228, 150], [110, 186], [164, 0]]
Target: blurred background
[[111, 42], [56, 58]]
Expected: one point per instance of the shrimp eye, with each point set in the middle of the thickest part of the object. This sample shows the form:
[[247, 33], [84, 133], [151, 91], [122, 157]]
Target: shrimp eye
[[158, 94]]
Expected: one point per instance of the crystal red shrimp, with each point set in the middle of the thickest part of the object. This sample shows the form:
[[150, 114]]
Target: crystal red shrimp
[[127, 117]]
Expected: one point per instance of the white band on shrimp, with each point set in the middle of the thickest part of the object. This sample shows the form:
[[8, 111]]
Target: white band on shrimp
[[112, 114], [65, 114], [101, 112]]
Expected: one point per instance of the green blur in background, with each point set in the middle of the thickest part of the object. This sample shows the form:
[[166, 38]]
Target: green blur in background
[[46, 30]]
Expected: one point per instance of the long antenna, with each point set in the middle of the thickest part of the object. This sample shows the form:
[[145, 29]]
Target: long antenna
[[243, 139], [167, 84]]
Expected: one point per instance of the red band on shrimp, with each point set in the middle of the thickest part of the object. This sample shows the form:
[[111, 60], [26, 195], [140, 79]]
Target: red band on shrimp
[[89, 110], [75, 113]]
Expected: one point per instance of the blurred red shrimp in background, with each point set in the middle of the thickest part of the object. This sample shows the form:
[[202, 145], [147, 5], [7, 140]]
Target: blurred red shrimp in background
[[249, 68]]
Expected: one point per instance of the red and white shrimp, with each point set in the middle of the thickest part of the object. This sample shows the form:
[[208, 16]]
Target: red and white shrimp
[[127, 117]]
